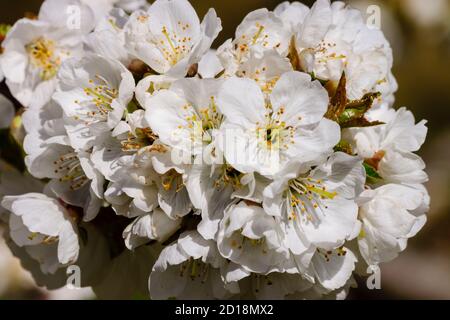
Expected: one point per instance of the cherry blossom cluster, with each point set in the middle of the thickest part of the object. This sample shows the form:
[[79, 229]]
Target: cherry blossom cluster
[[274, 167]]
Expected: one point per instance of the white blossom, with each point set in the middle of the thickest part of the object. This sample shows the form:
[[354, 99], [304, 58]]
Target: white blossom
[[167, 169], [263, 136], [190, 268], [390, 147], [45, 228], [334, 38], [94, 93], [317, 206], [169, 36], [390, 215]]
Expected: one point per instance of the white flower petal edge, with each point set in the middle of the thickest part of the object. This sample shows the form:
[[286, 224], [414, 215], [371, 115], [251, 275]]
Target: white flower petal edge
[[390, 215], [190, 268], [45, 228], [152, 226], [94, 93], [251, 238]]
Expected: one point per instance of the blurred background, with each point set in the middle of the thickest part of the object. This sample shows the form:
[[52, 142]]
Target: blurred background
[[419, 32]]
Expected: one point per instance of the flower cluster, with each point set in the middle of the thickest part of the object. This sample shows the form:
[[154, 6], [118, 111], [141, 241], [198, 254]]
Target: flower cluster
[[272, 167]]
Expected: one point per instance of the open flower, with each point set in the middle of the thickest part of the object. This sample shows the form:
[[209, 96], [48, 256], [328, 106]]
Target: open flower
[[317, 206], [169, 37], [251, 238], [213, 188], [186, 116], [265, 69], [190, 268], [263, 136], [72, 174], [94, 93], [34, 50], [260, 31], [390, 215], [33, 53], [45, 228], [334, 38], [141, 171], [389, 148]]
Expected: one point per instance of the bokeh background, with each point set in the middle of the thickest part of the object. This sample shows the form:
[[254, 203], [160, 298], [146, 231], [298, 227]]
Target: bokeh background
[[419, 32]]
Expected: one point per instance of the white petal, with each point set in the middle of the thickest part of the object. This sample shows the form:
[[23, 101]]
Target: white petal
[[316, 24], [333, 274], [68, 246], [209, 65], [403, 133], [242, 102], [30, 207], [305, 101]]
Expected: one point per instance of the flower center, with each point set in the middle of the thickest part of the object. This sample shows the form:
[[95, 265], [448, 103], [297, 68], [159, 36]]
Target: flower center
[[275, 135], [174, 47], [259, 33], [229, 177], [244, 43], [172, 179], [69, 168], [304, 196], [195, 269], [261, 243], [101, 95], [201, 124], [324, 52], [141, 138], [42, 55], [211, 119]]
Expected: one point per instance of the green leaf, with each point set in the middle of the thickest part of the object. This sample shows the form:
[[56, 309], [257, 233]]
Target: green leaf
[[372, 176], [354, 112]]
